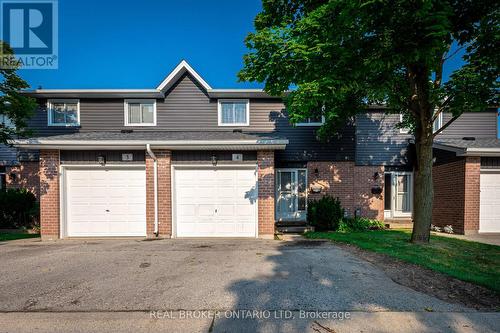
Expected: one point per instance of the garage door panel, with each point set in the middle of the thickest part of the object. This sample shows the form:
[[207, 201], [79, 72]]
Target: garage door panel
[[105, 202], [222, 204], [489, 211]]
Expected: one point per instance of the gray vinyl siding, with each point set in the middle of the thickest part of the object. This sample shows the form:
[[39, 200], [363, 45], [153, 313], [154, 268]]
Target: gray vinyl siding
[[379, 142], [8, 155], [475, 124], [90, 156], [187, 107], [205, 157]]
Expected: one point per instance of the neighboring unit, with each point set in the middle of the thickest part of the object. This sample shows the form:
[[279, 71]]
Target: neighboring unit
[[187, 160]]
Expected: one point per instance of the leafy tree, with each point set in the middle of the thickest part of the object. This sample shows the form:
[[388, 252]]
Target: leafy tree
[[15, 108], [340, 56]]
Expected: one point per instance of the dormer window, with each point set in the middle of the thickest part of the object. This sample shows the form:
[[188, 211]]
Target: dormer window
[[63, 112], [140, 112], [232, 112]]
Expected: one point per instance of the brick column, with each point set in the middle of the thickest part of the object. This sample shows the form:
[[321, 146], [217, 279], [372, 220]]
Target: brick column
[[472, 194], [265, 162], [49, 194], [164, 194]]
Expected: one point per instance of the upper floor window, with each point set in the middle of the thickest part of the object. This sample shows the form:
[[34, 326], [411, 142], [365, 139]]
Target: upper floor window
[[437, 123], [140, 112], [6, 122], [312, 121], [435, 126], [233, 112], [63, 112], [403, 130]]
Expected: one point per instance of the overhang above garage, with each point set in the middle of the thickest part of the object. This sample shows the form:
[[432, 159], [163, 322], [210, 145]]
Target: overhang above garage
[[173, 140], [469, 146]]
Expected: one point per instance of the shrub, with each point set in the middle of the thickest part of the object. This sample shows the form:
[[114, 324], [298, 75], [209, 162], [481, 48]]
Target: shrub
[[325, 214], [18, 209], [359, 224]]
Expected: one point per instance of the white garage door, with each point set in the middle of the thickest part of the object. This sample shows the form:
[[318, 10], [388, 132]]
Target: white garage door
[[489, 220], [105, 202], [215, 202]]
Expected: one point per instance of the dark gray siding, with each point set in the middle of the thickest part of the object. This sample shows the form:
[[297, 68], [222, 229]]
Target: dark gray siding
[[8, 155], [205, 157], [490, 162], [304, 144], [378, 141], [476, 124], [90, 156], [187, 107]]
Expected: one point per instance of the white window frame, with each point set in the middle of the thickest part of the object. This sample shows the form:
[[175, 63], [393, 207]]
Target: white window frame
[[439, 121], [312, 123], [219, 112], [50, 102], [141, 101], [403, 130]]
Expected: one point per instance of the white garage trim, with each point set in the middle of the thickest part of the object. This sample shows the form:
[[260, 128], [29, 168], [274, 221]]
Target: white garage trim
[[63, 201], [485, 206], [176, 167]]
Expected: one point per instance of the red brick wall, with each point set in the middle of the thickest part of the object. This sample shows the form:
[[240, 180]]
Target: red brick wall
[[472, 194], [350, 183], [27, 176], [49, 194], [456, 195], [164, 194], [265, 162]]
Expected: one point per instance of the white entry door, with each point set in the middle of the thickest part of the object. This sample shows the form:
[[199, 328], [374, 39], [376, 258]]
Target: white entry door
[[398, 195], [291, 195], [489, 211], [215, 201], [104, 202]]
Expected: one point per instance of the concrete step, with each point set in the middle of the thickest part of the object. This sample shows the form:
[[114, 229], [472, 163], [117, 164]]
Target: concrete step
[[294, 229]]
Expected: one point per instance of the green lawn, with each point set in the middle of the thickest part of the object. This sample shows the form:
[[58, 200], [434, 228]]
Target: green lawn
[[13, 236], [468, 261]]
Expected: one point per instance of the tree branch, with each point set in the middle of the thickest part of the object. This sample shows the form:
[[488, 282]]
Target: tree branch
[[441, 108], [448, 123]]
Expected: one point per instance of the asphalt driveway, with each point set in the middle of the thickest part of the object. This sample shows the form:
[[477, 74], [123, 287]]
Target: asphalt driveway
[[135, 276]]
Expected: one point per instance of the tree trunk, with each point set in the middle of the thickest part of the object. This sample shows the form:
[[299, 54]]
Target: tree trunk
[[423, 194]]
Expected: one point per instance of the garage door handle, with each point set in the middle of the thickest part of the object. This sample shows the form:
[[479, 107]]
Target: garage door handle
[[107, 210]]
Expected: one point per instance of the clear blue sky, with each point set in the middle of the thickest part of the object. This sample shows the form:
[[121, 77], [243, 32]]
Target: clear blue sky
[[135, 44]]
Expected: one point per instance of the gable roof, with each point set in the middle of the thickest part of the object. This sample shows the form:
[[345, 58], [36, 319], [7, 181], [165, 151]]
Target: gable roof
[[178, 71], [159, 92]]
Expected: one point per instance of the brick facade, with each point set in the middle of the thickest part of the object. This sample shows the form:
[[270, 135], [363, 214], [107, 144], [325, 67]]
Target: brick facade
[[457, 195], [164, 158], [27, 176], [351, 184], [265, 162], [49, 194]]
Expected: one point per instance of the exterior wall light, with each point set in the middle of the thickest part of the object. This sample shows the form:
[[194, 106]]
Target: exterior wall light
[[214, 160], [101, 159]]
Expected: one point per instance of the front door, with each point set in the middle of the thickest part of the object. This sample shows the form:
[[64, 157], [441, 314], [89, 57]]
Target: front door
[[291, 194], [398, 194]]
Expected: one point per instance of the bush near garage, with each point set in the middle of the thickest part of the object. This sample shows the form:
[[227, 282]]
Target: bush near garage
[[18, 209]]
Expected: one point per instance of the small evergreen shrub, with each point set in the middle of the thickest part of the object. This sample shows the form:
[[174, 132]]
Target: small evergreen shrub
[[359, 224], [325, 214], [18, 209]]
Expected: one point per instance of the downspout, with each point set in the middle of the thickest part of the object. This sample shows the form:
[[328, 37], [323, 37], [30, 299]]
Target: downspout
[[155, 185]]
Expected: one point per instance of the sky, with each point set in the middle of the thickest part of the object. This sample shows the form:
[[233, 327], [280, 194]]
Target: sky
[[135, 44]]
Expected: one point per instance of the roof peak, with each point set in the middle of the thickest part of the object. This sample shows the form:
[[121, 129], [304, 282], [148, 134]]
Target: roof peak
[[177, 72]]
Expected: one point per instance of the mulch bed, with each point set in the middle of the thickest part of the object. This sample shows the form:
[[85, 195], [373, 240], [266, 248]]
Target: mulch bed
[[429, 282]]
